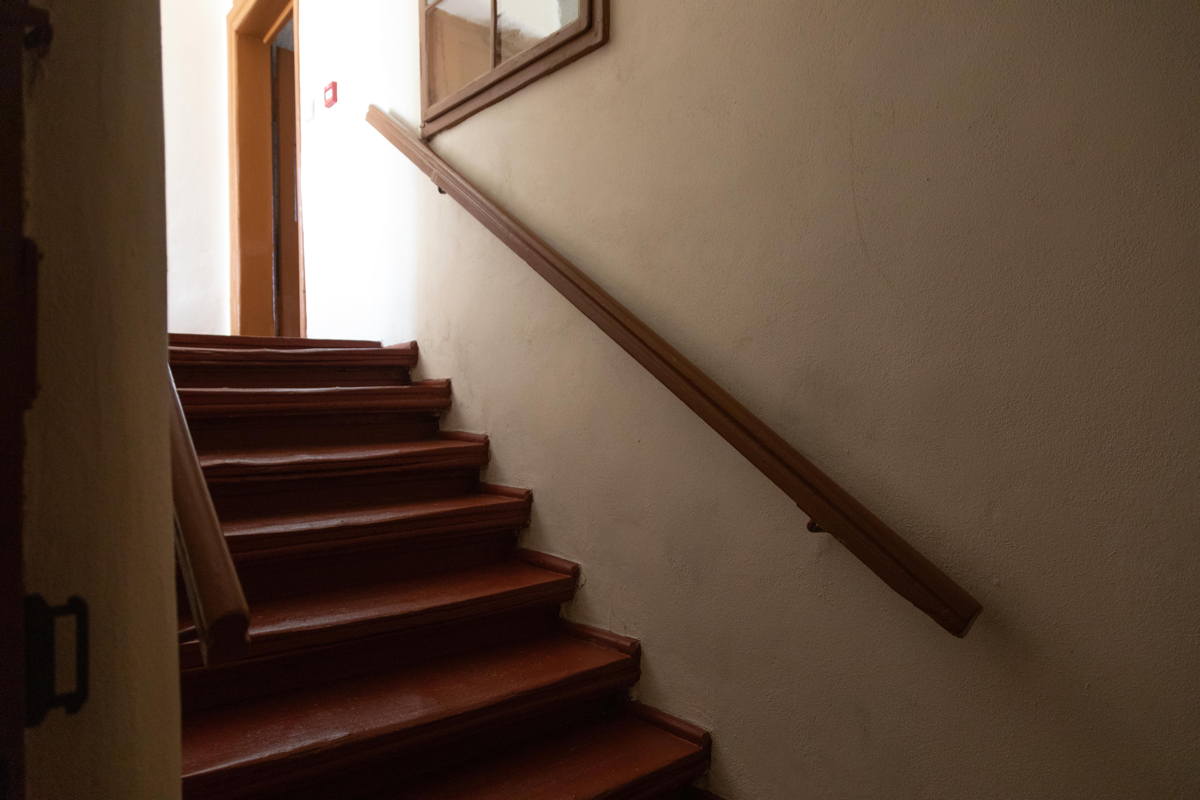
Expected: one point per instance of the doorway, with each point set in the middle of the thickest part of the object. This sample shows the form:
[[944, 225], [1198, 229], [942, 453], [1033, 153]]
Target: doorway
[[266, 239]]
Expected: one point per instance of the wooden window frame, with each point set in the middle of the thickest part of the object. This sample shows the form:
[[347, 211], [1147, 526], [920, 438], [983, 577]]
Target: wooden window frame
[[552, 53]]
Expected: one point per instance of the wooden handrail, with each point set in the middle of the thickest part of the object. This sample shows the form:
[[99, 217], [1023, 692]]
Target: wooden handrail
[[829, 506], [214, 592]]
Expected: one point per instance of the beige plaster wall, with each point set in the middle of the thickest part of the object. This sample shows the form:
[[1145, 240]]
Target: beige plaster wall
[[195, 91], [949, 251], [98, 505]]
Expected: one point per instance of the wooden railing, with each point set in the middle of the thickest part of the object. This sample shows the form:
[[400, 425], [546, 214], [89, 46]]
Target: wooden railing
[[218, 605], [828, 505]]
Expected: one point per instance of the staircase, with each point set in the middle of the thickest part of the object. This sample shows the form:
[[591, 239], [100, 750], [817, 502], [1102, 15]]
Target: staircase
[[402, 645]]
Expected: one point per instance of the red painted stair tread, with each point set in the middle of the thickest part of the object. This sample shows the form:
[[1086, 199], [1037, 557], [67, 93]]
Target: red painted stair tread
[[591, 762], [355, 604], [420, 396], [275, 342], [369, 711], [432, 453], [399, 356], [365, 516], [338, 613]]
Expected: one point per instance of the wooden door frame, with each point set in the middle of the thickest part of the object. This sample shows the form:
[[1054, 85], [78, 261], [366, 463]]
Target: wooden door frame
[[252, 24], [18, 354], [12, 412]]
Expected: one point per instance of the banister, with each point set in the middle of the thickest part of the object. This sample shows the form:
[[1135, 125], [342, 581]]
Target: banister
[[830, 507], [214, 592]]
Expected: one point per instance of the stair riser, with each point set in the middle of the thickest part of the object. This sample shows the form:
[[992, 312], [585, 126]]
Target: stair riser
[[222, 433], [244, 680], [407, 538], [286, 375], [294, 575], [236, 499], [693, 793], [408, 552]]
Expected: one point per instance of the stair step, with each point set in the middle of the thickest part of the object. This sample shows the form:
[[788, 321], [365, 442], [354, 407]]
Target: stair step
[[420, 396], [246, 680], [312, 428], [403, 355], [324, 478], [401, 647], [237, 751], [246, 367], [303, 612], [633, 756], [429, 454], [274, 342], [373, 525]]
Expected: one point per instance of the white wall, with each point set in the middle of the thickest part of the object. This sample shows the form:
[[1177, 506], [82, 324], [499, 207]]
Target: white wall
[[196, 129], [950, 255], [360, 246], [98, 496]]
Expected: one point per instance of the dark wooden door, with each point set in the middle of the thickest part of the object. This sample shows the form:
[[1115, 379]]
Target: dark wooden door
[[17, 350], [289, 281]]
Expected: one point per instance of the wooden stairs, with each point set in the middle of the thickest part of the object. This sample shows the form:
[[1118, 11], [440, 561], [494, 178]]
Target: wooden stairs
[[402, 645]]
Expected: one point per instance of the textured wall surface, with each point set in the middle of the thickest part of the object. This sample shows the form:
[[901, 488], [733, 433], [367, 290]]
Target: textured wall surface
[[949, 251], [195, 92], [98, 505]]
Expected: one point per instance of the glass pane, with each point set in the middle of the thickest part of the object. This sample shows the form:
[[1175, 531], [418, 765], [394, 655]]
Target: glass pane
[[524, 23], [458, 42]]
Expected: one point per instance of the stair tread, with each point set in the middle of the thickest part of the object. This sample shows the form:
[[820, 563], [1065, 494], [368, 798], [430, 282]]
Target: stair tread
[[429, 453], [400, 356], [374, 712], [198, 393], [315, 614], [224, 340], [590, 762], [365, 516], [426, 395]]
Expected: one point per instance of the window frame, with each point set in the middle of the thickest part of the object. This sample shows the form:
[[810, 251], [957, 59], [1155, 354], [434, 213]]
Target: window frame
[[582, 36]]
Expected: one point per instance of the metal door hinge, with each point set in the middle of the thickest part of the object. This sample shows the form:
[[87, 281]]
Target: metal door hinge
[[41, 658]]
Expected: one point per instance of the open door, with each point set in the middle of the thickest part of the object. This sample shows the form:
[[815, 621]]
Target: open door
[[268, 264], [289, 283]]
